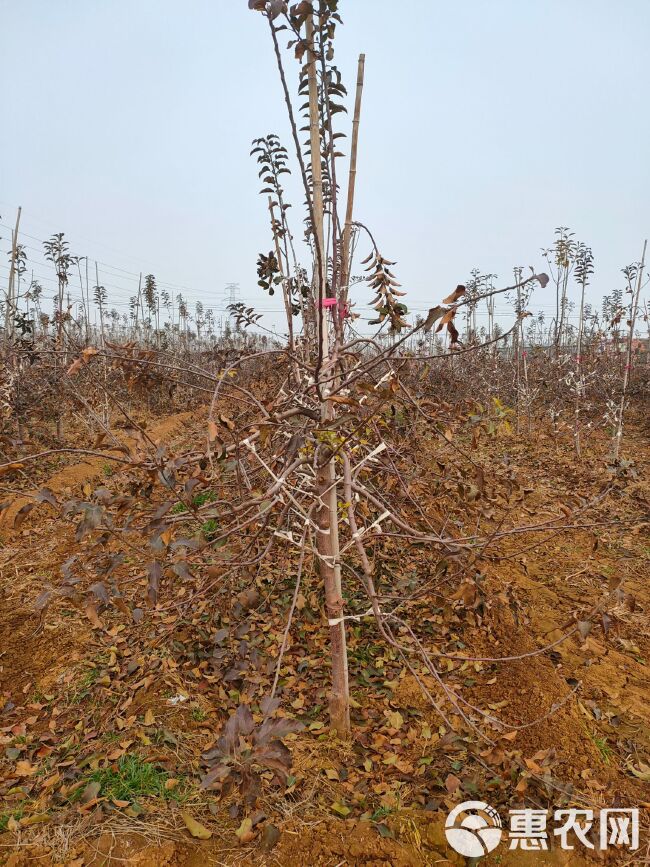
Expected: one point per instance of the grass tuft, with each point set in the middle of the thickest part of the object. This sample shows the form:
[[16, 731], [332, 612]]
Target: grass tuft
[[132, 778]]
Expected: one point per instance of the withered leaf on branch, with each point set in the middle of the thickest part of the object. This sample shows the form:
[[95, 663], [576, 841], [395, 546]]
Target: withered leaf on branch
[[453, 333], [448, 316], [434, 314], [275, 8], [458, 292]]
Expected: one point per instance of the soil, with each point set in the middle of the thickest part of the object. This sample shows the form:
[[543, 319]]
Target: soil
[[598, 739]]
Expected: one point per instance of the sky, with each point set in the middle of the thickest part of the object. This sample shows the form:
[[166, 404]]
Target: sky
[[127, 125]]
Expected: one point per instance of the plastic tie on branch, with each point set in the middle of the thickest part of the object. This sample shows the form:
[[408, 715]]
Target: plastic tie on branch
[[364, 530], [371, 456], [372, 526], [328, 302], [334, 621]]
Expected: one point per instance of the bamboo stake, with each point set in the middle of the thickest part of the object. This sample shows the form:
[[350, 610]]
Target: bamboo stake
[[11, 302], [88, 335], [347, 232], [317, 191]]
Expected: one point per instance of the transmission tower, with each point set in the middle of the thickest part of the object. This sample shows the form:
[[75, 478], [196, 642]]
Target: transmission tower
[[232, 292]]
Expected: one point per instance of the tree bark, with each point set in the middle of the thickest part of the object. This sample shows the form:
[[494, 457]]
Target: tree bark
[[327, 542]]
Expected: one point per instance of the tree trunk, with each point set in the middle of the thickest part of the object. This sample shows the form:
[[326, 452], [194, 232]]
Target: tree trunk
[[327, 542]]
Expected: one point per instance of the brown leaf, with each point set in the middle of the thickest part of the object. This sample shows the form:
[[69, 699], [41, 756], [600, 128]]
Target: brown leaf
[[455, 295], [21, 514], [155, 574], [245, 831], [270, 837], [453, 332], [93, 616], [10, 468], [434, 314], [584, 628], [448, 316], [35, 819], [452, 784], [195, 828], [91, 792]]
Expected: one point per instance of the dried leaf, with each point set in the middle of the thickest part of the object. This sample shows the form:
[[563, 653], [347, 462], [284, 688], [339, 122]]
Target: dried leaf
[[584, 628], [195, 828], [458, 292], [22, 513], [270, 837], [245, 831], [542, 279], [434, 314], [452, 783], [395, 719], [642, 772], [93, 616], [155, 574], [90, 792]]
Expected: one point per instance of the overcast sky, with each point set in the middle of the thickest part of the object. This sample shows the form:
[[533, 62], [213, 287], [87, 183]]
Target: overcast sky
[[127, 125]]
